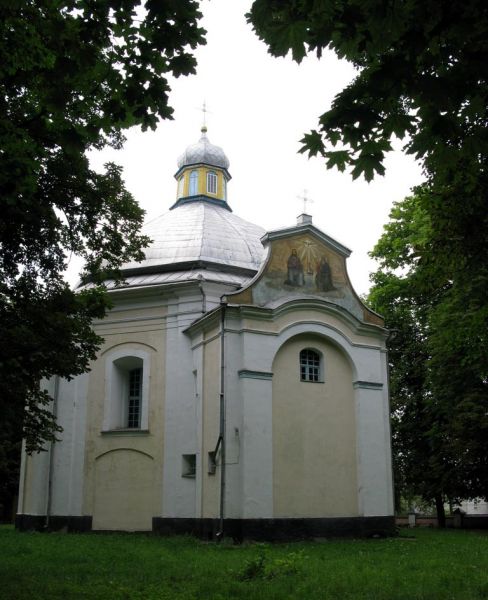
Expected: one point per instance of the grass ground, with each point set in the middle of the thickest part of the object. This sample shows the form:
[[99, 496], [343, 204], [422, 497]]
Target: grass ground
[[424, 564]]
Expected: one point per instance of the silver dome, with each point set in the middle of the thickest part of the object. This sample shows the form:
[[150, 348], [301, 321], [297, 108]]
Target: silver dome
[[200, 233], [204, 152]]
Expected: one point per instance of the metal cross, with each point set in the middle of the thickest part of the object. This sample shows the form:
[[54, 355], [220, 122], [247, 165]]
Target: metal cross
[[204, 110], [305, 199]]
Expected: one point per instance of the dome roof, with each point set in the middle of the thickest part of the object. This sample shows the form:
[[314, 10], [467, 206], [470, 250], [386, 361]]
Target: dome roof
[[200, 234], [204, 152]]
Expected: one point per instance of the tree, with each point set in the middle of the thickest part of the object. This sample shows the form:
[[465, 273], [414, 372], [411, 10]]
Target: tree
[[422, 77], [438, 402], [74, 75]]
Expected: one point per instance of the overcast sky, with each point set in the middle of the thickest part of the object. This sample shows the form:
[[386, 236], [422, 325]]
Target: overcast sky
[[259, 109]]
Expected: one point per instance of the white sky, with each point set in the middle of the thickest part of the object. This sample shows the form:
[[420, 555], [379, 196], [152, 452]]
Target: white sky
[[260, 107]]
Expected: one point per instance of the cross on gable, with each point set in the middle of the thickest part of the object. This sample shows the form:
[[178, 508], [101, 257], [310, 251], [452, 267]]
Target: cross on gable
[[305, 199]]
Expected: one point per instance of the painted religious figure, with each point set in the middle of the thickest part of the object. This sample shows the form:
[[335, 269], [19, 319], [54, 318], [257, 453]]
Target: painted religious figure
[[323, 277], [294, 270]]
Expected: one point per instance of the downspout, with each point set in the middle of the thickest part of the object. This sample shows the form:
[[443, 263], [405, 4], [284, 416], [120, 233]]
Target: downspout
[[221, 440], [51, 455], [202, 292]]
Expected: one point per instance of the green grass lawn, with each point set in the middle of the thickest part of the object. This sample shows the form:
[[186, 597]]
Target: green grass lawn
[[424, 564]]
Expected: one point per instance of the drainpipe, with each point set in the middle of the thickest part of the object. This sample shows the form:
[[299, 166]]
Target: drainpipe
[[51, 455], [221, 442], [202, 292]]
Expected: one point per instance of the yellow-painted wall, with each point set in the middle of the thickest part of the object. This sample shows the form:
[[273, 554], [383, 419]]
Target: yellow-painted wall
[[202, 182], [124, 490], [314, 437], [123, 470]]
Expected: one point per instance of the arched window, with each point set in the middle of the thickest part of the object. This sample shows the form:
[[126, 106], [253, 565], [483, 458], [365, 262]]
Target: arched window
[[211, 182], [310, 365], [193, 189], [127, 390]]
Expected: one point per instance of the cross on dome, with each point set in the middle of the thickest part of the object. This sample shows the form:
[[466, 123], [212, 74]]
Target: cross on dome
[[204, 110]]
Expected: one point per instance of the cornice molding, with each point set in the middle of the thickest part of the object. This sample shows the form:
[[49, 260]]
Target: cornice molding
[[278, 234], [367, 385], [246, 374]]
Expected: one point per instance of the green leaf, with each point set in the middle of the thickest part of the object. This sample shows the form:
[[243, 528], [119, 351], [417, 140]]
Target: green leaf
[[339, 159]]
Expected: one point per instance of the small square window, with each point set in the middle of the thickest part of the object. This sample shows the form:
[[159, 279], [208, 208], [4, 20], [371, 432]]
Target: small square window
[[189, 465]]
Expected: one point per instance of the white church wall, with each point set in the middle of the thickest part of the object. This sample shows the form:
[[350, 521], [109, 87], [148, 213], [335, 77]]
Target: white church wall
[[257, 445], [388, 481], [201, 463], [34, 484], [210, 423], [373, 453], [34, 474], [68, 453], [62, 462], [234, 423], [180, 430]]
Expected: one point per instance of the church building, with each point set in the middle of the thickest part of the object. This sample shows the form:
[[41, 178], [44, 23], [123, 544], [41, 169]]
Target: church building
[[241, 389]]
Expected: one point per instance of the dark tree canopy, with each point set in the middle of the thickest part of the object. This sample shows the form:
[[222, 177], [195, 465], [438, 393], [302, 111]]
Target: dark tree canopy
[[422, 71], [423, 77], [74, 74], [439, 399]]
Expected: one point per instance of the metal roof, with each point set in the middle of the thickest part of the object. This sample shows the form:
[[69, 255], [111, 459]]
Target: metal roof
[[153, 279], [204, 152], [200, 233]]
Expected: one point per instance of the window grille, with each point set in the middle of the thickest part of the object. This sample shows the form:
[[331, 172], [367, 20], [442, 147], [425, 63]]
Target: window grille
[[309, 365], [135, 396]]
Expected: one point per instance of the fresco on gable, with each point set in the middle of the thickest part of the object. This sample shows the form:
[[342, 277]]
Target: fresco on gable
[[306, 265], [303, 266], [294, 275]]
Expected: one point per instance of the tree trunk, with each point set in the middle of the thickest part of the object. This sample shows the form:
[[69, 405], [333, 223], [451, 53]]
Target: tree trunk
[[441, 514]]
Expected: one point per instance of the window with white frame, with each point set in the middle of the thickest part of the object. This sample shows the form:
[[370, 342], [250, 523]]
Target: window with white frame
[[211, 182], [311, 367], [126, 391], [193, 187]]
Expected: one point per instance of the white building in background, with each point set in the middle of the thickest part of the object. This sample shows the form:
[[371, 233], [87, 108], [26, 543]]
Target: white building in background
[[241, 388], [474, 507]]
